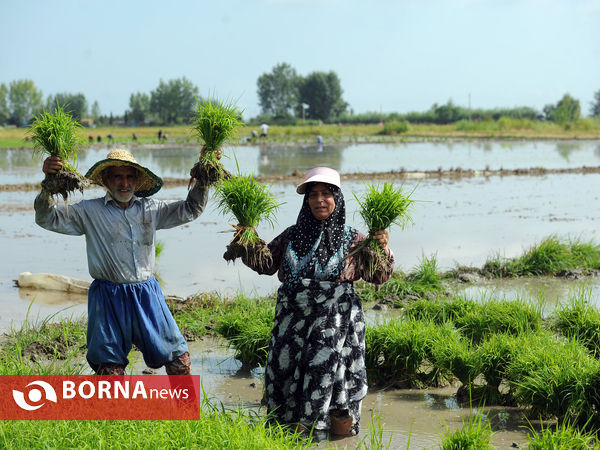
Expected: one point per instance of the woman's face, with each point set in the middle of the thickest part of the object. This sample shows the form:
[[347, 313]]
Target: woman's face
[[321, 201]]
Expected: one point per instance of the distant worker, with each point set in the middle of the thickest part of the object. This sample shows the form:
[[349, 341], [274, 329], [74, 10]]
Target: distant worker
[[99, 139], [264, 128], [91, 139], [159, 135], [319, 139], [134, 137]]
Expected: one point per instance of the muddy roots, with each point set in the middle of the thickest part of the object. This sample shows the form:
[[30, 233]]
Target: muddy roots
[[64, 182], [207, 174], [256, 254], [374, 263]]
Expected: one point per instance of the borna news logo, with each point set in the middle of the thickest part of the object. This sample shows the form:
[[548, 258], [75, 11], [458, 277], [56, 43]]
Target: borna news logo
[[93, 397], [34, 396]]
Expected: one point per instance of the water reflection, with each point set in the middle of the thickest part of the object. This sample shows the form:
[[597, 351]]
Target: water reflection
[[19, 166], [280, 160]]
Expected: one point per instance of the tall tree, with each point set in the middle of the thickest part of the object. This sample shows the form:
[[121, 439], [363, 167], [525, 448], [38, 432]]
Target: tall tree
[[596, 104], [322, 92], [95, 110], [24, 101], [4, 111], [566, 110], [174, 101], [139, 107], [73, 104], [278, 90]]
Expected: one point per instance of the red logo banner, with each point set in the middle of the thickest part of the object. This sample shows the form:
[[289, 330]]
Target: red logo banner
[[93, 397]]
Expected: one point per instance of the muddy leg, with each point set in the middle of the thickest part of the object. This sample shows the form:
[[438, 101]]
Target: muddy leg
[[110, 369], [182, 365]]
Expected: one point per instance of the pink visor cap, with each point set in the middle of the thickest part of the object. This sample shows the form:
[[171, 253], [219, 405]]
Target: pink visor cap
[[319, 175]]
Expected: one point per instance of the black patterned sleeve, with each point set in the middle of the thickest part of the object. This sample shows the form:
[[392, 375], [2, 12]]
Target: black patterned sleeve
[[277, 247]]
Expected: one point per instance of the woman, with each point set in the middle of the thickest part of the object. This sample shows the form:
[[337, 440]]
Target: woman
[[315, 376]]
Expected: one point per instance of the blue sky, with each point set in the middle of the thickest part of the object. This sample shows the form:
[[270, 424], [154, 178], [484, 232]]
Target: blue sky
[[402, 55]]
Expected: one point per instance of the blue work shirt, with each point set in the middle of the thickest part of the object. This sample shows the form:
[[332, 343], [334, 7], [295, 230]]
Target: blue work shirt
[[120, 242]]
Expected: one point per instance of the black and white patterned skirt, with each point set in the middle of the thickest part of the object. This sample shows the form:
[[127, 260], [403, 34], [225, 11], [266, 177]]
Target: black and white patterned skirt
[[316, 360]]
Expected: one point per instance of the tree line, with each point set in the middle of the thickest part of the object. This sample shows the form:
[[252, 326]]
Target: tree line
[[285, 97]]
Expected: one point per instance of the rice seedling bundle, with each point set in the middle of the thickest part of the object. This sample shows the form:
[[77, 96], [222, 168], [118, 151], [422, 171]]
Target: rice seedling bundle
[[250, 202], [215, 124], [58, 135], [380, 208]]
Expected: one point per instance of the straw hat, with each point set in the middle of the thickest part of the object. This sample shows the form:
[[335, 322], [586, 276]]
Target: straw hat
[[147, 184], [319, 175]]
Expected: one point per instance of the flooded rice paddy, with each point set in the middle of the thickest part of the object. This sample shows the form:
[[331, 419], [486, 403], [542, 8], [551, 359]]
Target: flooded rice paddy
[[460, 221]]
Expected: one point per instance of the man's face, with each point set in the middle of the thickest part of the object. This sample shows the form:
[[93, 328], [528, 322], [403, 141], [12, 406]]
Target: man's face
[[121, 182]]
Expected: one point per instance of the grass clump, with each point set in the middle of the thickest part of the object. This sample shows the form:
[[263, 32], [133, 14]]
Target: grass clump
[[46, 347], [59, 135], [552, 256], [579, 320], [476, 434], [562, 436], [215, 125], [250, 202], [423, 281], [397, 350], [380, 208]]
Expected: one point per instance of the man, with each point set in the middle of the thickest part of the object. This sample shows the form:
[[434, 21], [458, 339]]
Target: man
[[125, 302]]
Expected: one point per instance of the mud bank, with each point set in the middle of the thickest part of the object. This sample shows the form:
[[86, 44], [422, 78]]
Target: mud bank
[[296, 176]]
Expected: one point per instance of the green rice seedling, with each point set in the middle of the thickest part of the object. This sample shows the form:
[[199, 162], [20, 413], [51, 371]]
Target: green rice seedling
[[215, 122], [578, 319], [475, 434], [250, 202], [400, 289], [59, 135], [561, 436], [380, 208], [249, 335], [440, 310], [554, 377], [454, 355], [499, 316], [552, 256], [495, 354], [397, 349]]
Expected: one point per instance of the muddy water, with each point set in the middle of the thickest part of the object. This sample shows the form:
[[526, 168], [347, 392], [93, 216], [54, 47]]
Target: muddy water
[[460, 222], [18, 166], [419, 415]]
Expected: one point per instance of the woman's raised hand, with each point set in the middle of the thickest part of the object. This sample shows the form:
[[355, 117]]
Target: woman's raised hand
[[383, 237]]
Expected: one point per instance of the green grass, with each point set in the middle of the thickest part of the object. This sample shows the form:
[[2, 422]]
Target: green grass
[[45, 347], [580, 320], [475, 434], [397, 349], [549, 257], [422, 281], [562, 436], [218, 428]]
